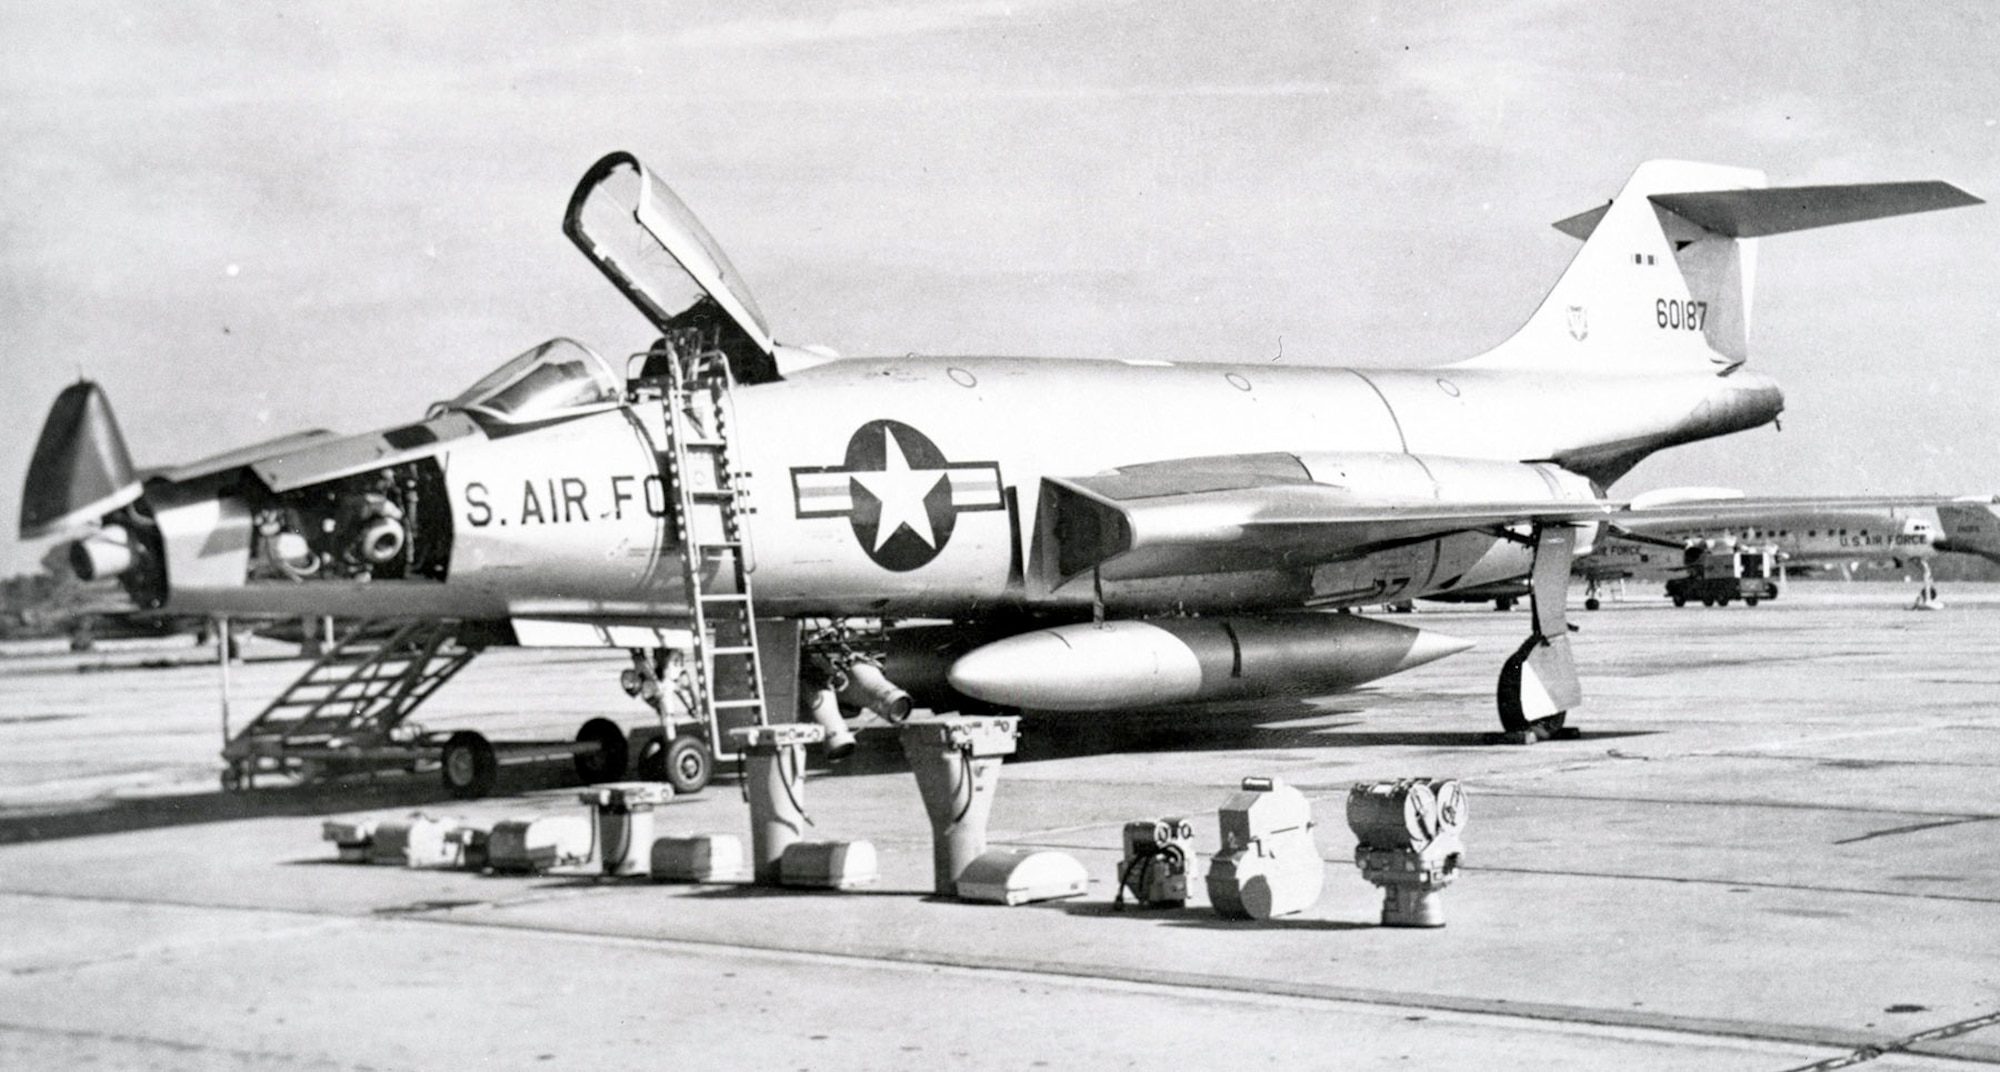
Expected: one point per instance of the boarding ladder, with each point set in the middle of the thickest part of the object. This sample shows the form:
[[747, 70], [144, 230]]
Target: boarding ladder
[[352, 700], [710, 527]]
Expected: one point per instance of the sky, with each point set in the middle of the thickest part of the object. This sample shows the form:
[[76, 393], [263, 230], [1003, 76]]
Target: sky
[[247, 219]]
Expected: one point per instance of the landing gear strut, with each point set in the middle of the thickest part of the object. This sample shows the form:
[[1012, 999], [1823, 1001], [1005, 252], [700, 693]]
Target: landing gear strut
[[680, 755], [1538, 683]]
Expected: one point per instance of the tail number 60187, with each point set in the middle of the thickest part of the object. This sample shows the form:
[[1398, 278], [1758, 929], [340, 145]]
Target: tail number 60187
[[1677, 315]]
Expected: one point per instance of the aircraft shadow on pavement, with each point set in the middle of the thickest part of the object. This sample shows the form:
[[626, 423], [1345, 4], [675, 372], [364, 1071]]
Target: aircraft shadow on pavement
[[85, 818], [1044, 738], [1266, 725], [1199, 918]]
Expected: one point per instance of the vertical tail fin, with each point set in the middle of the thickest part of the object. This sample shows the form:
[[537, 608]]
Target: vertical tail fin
[[80, 469], [1665, 275], [1971, 526]]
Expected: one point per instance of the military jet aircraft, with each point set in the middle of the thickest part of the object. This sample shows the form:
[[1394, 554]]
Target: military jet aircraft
[[956, 531]]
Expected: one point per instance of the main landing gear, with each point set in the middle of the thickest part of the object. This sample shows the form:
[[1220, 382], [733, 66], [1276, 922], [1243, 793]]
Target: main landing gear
[[1538, 683]]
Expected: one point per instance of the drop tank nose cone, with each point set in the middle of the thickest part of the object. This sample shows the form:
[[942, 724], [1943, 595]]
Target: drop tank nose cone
[[1080, 668], [1429, 647], [81, 469]]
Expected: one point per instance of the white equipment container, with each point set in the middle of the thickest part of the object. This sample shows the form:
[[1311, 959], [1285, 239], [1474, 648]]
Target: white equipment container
[[707, 858], [1268, 865], [1010, 878], [828, 865]]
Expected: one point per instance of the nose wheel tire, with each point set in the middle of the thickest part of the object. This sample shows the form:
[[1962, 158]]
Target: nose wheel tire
[[468, 766], [689, 764]]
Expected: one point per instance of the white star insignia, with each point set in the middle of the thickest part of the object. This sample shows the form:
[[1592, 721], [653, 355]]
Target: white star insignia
[[901, 490]]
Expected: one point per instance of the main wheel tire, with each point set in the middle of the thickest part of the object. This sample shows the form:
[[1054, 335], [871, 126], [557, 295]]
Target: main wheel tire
[[1680, 601], [468, 766], [1514, 719], [689, 764], [607, 762], [1749, 601], [1591, 603]]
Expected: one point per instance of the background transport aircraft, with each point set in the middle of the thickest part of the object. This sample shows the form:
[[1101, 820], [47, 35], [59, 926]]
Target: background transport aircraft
[[953, 531], [1722, 538]]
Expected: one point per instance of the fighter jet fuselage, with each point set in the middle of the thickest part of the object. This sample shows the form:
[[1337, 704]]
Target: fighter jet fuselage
[[905, 487]]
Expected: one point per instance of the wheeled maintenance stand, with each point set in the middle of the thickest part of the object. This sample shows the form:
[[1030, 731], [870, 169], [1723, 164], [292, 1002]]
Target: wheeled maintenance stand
[[624, 816], [774, 778], [957, 764], [1410, 834]]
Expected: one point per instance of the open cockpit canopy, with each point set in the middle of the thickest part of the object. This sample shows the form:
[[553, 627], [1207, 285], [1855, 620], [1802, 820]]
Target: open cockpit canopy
[[559, 378], [652, 247]]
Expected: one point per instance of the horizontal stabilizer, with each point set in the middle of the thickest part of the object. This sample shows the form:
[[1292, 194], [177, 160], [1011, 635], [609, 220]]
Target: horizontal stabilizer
[[1666, 273], [1649, 500], [1770, 211]]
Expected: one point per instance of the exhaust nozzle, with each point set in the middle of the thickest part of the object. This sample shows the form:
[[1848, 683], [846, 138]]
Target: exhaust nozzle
[[868, 687], [107, 553]]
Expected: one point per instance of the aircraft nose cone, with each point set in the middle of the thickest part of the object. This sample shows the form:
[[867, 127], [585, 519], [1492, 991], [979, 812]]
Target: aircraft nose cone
[[81, 469]]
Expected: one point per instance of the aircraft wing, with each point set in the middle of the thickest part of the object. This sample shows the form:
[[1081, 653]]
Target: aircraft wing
[[1219, 515], [1761, 511]]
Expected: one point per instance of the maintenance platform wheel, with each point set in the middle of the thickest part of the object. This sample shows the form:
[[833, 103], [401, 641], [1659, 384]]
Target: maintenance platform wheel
[[468, 766], [1591, 603], [684, 763], [1504, 603], [232, 779], [607, 762]]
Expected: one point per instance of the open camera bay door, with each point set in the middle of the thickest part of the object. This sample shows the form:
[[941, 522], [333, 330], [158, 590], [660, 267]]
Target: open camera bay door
[[647, 242]]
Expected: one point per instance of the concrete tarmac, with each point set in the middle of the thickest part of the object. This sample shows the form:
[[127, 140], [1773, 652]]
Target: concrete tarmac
[[1773, 848]]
